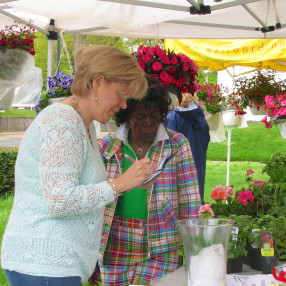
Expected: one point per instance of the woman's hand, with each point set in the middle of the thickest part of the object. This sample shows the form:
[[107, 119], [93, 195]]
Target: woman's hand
[[136, 174]]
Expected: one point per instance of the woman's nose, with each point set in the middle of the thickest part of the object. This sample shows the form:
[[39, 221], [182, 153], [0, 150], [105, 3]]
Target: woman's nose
[[123, 104]]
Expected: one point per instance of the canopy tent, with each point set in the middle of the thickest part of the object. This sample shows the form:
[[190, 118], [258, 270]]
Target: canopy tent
[[183, 19]]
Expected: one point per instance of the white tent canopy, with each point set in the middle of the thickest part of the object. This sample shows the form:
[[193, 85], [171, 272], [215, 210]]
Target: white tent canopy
[[153, 18]]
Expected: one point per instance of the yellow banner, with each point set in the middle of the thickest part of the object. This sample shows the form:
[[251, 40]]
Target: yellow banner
[[220, 54]]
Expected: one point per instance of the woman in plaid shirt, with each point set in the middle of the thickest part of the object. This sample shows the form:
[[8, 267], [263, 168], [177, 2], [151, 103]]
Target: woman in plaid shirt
[[140, 238]]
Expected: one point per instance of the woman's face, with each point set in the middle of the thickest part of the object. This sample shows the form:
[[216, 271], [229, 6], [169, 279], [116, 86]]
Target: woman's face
[[110, 99], [144, 122]]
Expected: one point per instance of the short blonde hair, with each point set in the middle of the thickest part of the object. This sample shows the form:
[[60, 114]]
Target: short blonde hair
[[187, 97], [114, 64]]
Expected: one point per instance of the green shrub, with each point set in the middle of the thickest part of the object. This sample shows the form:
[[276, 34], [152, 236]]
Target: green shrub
[[8, 157]]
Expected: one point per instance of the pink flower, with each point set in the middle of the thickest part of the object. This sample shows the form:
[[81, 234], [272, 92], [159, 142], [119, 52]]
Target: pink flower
[[185, 67], [250, 171], [218, 193], [245, 197], [141, 65], [260, 183], [229, 191], [206, 209], [174, 61], [146, 58], [156, 66]]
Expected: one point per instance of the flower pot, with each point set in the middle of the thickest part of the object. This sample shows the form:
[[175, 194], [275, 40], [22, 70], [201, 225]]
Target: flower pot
[[268, 262], [230, 119], [282, 127], [254, 111], [254, 258], [215, 122], [234, 265]]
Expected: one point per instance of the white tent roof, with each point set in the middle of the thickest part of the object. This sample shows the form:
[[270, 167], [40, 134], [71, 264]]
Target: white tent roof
[[153, 18]]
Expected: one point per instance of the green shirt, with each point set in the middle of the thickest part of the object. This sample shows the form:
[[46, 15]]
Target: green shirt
[[132, 204]]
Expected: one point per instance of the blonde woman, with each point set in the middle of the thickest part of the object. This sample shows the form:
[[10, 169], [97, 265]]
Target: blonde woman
[[188, 118], [61, 186]]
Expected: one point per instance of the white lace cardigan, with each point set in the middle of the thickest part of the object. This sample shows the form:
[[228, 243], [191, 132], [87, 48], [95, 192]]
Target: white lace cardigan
[[55, 224]]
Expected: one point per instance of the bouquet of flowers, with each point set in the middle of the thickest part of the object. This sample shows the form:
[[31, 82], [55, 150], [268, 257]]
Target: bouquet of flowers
[[212, 97], [276, 107], [58, 86], [15, 42], [175, 71]]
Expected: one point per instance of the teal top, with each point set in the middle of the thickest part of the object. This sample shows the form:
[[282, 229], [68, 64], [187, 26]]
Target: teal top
[[132, 204], [55, 225]]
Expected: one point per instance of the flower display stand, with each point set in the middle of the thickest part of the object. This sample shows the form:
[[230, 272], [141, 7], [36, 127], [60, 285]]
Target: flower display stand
[[282, 127], [230, 121]]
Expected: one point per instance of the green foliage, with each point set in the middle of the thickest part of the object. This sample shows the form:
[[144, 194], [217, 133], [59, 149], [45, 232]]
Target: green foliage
[[7, 161], [275, 168]]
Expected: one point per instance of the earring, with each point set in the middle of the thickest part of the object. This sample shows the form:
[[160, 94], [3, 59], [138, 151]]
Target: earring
[[95, 98]]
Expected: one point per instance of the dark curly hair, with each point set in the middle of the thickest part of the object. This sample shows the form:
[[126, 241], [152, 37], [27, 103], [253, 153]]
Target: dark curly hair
[[156, 92]]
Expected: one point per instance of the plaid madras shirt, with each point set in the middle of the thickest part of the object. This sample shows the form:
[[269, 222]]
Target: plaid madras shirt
[[175, 194]]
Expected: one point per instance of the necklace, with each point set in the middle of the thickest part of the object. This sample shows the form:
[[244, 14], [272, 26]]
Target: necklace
[[139, 150], [78, 110]]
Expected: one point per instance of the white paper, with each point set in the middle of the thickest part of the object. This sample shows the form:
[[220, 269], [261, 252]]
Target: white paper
[[252, 280]]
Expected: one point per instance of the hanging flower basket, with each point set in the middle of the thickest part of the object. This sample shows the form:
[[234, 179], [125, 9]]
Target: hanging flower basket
[[282, 128], [230, 119]]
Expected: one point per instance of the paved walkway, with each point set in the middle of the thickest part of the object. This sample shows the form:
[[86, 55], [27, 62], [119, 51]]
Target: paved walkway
[[10, 138]]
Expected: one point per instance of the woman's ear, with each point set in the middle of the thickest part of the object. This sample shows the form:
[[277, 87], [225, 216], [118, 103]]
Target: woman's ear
[[97, 81]]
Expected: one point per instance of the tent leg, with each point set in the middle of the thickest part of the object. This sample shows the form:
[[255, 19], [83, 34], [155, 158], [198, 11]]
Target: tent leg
[[228, 154], [50, 58]]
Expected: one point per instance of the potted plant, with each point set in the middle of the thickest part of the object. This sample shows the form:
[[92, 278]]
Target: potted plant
[[238, 242], [176, 71], [276, 112], [59, 86], [15, 43], [212, 97], [252, 91]]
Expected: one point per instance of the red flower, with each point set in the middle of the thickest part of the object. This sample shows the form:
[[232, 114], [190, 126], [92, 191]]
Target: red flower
[[156, 66], [146, 58], [142, 65]]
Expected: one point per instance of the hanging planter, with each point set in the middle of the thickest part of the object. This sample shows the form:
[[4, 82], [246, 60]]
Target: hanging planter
[[216, 127], [230, 119], [254, 111], [282, 128]]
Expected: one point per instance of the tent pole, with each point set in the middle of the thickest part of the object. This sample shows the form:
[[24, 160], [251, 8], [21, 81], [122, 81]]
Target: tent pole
[[50, 58], [228, 155]]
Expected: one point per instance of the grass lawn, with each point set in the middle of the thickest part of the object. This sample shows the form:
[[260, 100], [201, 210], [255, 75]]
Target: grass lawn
[[19, 113]]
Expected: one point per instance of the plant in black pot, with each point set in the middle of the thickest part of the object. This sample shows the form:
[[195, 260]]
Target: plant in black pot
[[237, 243]]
